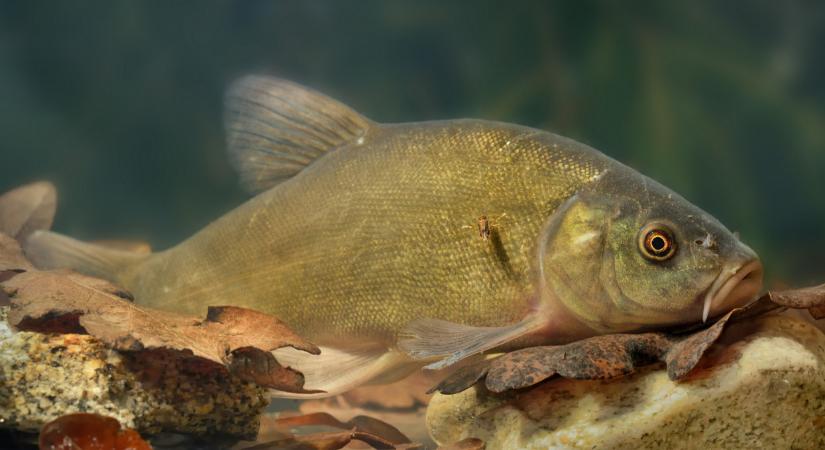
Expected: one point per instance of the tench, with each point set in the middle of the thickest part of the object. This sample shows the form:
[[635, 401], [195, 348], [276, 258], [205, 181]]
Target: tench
[[395, 246]]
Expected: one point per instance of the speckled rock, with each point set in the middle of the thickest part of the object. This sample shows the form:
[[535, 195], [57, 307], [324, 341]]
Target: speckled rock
[[763, 386], [45, 376]]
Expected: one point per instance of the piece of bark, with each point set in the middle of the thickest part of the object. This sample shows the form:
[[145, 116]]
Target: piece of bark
[[27, 209], [237, 338]]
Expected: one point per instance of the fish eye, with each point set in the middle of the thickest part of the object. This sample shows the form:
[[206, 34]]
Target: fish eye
[[656, 243]]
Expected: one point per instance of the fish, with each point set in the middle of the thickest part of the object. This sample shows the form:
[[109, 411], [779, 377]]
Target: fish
[[355, 236]]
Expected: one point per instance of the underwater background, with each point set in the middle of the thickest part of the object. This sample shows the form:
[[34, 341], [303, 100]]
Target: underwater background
[[119, 103]]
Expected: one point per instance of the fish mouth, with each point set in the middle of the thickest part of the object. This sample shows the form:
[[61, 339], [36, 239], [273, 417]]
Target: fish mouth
[[734, 287]]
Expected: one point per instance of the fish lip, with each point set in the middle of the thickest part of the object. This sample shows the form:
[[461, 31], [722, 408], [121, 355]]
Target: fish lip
[[733, 288]]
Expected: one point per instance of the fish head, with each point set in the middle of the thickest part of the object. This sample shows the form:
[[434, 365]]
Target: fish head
[[632, 255]]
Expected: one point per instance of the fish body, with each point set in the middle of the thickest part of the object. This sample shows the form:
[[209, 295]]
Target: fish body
[[371, 236], [357, 238]]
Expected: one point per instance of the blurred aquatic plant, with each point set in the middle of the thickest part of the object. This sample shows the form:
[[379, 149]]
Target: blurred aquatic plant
[[120, 102]]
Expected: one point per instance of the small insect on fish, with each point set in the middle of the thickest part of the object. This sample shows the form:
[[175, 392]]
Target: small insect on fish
[[485, 226], [593, 246]]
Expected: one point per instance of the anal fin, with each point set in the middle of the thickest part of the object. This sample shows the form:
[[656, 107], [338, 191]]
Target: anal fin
[[335, 371], [450, 342]]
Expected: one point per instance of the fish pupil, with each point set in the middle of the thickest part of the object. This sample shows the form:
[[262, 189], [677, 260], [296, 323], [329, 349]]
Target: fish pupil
[[658, 243]]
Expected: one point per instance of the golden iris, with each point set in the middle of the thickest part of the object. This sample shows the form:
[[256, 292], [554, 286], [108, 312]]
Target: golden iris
[[657, 243]]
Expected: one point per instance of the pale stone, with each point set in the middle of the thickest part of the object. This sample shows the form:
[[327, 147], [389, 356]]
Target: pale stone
[[45, 376], [761, 386]]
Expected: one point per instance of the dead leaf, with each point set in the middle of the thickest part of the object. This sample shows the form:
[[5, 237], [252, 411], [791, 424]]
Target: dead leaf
[[596, 358], [410, 392], [810, 298], [318, 441], [11, 256], [83, 431], [12, 263], [327, 441], [465, 444], [360, 423], [237, 338], [411, 422], [684, 353], [27, 209], [817, 312], [463, 378], [368, 430]]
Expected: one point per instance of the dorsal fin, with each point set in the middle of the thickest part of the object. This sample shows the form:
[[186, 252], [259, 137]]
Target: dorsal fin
[[275, 128]]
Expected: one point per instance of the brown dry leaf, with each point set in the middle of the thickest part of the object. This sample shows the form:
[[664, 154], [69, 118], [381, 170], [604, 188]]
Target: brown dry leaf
[[12, 263], [465, 444], [685, 352], [410, 392], [359, 423], [817, 312], [615, 355], [409, 421], [237, 338], [597, 358], [331, 441], [810, 298], [368, 430], [402, 403], [318, 441], [27, 209], [11, 256], [82, 431], [463, 378]]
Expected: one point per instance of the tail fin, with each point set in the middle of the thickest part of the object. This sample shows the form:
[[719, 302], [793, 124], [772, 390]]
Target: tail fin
[[48, 250]]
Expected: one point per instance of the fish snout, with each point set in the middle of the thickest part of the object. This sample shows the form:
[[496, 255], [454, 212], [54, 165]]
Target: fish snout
[[738, 283]]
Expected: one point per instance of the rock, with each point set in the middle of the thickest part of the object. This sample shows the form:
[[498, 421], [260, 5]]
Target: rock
[[45, 376], [761, 386]]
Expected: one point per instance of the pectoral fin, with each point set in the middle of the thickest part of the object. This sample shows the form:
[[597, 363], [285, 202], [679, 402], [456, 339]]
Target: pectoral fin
[[452, 342]]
